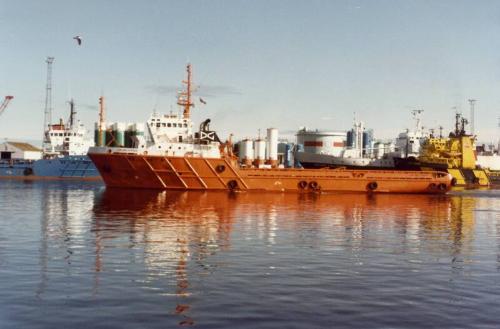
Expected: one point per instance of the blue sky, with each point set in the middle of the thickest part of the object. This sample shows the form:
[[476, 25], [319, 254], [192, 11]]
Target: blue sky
[[258, 64]]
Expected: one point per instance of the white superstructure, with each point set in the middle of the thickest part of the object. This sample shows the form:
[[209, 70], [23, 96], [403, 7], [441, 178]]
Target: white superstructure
[[172, 134], [67, 139], [408, 143]]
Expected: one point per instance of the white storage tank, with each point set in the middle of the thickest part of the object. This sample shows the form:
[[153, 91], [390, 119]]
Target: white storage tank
[[322, 142], [246, 152], [272, 146], [379, 149], [259, 146]]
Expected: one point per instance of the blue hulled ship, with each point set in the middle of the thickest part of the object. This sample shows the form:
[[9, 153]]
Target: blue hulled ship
[[63, 154]]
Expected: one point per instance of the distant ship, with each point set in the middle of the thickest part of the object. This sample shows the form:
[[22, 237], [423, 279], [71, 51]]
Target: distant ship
[[327, 149], [63, 154]]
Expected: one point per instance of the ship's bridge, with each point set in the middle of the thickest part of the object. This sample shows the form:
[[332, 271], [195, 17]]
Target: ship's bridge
[[170, 128], [70, 140]]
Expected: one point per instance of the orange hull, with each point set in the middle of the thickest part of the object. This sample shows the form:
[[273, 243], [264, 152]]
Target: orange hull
[[193, 173]]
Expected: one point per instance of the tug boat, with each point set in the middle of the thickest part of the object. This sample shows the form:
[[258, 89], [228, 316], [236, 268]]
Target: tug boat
[[175, 158]]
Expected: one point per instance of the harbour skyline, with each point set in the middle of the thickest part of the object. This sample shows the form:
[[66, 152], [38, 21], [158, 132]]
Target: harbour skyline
[[257, 64]]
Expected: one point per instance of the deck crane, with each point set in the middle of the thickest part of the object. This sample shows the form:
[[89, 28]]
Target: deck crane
[[4, 104]]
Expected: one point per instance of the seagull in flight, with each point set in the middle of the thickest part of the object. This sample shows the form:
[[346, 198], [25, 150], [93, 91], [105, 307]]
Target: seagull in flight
[[202, 101], [78, 39]]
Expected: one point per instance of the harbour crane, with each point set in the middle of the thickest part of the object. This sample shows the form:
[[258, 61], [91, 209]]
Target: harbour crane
[[5, 102]]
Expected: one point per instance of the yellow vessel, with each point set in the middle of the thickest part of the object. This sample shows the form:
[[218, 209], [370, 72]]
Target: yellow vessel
[[454, 154]]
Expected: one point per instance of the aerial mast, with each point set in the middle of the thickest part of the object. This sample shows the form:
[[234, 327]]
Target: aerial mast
[[48, 100], [184, 98]]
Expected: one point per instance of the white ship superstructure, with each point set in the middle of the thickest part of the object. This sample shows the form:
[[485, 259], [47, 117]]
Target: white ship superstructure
[[172, 134], [67, 139], [408, 143]]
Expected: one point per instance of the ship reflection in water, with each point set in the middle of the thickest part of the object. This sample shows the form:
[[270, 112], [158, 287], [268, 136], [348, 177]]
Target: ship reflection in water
[[83, 256]]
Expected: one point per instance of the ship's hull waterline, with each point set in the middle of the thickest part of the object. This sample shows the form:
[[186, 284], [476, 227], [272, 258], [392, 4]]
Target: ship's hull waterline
[[73, 167], [198, 173]]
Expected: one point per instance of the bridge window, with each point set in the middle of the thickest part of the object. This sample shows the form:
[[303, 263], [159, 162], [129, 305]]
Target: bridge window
[[175, 125], [169, 124]]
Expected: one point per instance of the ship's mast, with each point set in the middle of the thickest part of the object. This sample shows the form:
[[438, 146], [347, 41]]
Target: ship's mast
[[72, 115], [102, 124], [416, 116], [184, 97]]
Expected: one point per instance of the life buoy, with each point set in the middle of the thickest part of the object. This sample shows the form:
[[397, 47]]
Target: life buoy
[[313, 185], [453, 181], [302, 184], [372, 186], [28, 171], [442, 187], [220, 168], [232, 184]]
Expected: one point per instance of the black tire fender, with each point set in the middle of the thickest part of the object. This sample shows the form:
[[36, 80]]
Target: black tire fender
[[313, 185], [220, 168], [28, 171], [372, 186], [232, 184]]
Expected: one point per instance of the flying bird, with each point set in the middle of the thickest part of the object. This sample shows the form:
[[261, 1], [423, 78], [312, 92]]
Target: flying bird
[[203, 101], [78, 39]]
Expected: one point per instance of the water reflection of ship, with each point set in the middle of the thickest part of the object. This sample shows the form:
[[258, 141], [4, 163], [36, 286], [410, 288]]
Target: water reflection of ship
[[61, 226], [173, 220], [180, 229], [175, 228]]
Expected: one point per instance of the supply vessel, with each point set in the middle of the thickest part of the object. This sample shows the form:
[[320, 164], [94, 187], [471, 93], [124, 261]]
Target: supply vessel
[[176, 158], [63, 154]]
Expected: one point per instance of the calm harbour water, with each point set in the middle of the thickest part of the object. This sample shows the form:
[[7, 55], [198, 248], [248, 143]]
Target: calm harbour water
[[77, 255]]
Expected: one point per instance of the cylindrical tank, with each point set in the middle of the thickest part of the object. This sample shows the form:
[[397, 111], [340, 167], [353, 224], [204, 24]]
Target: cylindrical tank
[[110, 139], [379, 150], [286, 150], [246, 152], [119, 133], [137, 134], [272, 146], [99, 141], [322, 142], [128, 134], [367, 141], [139, 129], [350, 140], [259, 146], [96, 134]]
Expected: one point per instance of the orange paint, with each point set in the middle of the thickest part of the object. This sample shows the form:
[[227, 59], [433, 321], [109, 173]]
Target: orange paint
[[195, 173]]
